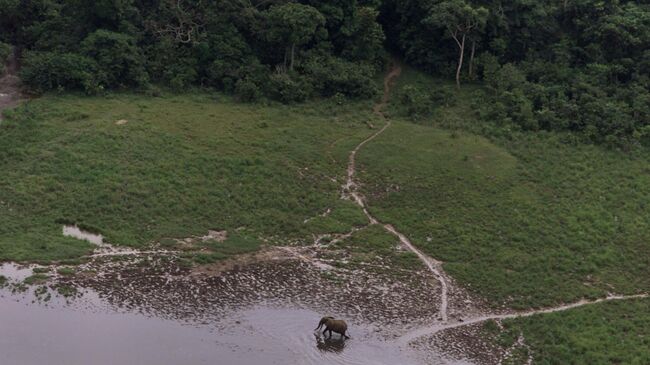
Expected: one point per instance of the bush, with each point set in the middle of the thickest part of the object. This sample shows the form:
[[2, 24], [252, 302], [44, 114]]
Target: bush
[[120, 61], [247, 90], [331, 75], [5, 51], [416, 101], [444, 96], [289, 88], [43, 71]]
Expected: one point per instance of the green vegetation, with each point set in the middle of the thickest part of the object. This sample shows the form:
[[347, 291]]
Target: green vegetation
[[5, 51], [66, 271], [374, 243], [179, 167], [337, 219], [525, 219], [578, 66], [67, 290], [212, 251], [533, 223], [36, 279], [609, 333], [252, 49]]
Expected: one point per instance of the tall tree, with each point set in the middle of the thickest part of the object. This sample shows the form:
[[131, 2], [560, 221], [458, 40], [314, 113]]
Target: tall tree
[[293, 25], [461, 19]]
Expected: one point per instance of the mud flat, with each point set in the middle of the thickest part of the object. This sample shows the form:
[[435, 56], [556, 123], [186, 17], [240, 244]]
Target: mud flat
[[149, 310]]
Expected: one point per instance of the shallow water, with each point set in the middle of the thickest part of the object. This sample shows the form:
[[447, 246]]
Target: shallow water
[[14, 272], [88, 331], [76, 232]]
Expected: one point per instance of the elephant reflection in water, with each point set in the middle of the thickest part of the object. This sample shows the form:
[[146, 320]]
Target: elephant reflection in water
[[336, 345]]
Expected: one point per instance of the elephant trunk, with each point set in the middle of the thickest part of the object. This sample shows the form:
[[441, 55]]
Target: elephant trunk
[[322, 322]]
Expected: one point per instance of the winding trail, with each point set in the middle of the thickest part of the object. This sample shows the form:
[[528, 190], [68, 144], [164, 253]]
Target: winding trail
[[435, 328], [350, 190]]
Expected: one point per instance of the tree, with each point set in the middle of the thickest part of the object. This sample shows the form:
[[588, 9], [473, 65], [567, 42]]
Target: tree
[[293, 25], [120, 61], [461, 20]]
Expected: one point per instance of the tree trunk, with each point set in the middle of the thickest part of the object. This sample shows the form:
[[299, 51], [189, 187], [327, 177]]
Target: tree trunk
[[460, 61], [471, 61], [293, 54], [286, 54]]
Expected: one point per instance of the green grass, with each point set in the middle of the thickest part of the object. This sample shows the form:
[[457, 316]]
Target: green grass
[[66, 271], [213, 251], [36, 279], [181, 166], [342, 215], [372, 244], [524, 222], [609, 333]]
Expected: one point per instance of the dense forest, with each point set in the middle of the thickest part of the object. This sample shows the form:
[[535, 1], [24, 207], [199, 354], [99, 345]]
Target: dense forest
[[581, 66]]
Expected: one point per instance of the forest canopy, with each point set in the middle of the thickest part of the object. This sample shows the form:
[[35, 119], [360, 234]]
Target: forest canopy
[[249, 48], [579, 66]]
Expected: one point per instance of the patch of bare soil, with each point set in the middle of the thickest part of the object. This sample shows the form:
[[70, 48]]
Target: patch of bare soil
[[466, 343], [159, 286]]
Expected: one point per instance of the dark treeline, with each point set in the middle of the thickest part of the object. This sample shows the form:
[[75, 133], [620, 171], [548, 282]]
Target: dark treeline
[[563, 65], [286, 50], [566, 65]]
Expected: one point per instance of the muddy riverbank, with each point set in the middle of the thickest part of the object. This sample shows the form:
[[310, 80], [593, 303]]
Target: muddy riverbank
[[150, 308]]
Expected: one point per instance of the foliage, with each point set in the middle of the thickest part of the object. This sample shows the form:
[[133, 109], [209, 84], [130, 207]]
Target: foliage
[[293, 25], [563, 66], [119, 60], [5, 52], [330, 76], [44, 71], [236, 47], [289, 87]]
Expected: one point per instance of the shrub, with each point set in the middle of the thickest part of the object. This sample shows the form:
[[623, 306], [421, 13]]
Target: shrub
[[5, 51], [246, 90], [416, 101], [120, 61], [289, 88], [43, 71], [331, 75]]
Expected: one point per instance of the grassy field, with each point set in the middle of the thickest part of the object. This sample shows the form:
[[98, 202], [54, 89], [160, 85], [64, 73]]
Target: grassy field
[[529, 221], [607, 333], [181, 165]]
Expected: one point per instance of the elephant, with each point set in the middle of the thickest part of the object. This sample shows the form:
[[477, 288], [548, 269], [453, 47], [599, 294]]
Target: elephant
[[333, 325]]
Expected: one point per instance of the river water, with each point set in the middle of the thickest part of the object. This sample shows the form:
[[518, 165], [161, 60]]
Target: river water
[[88, 331]]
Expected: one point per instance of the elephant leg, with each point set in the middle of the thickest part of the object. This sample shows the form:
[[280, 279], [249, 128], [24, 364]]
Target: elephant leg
[[325, 330]]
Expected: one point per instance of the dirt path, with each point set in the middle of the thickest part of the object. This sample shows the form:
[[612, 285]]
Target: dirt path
[[433, 329], [9, 84], [350, 191]]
